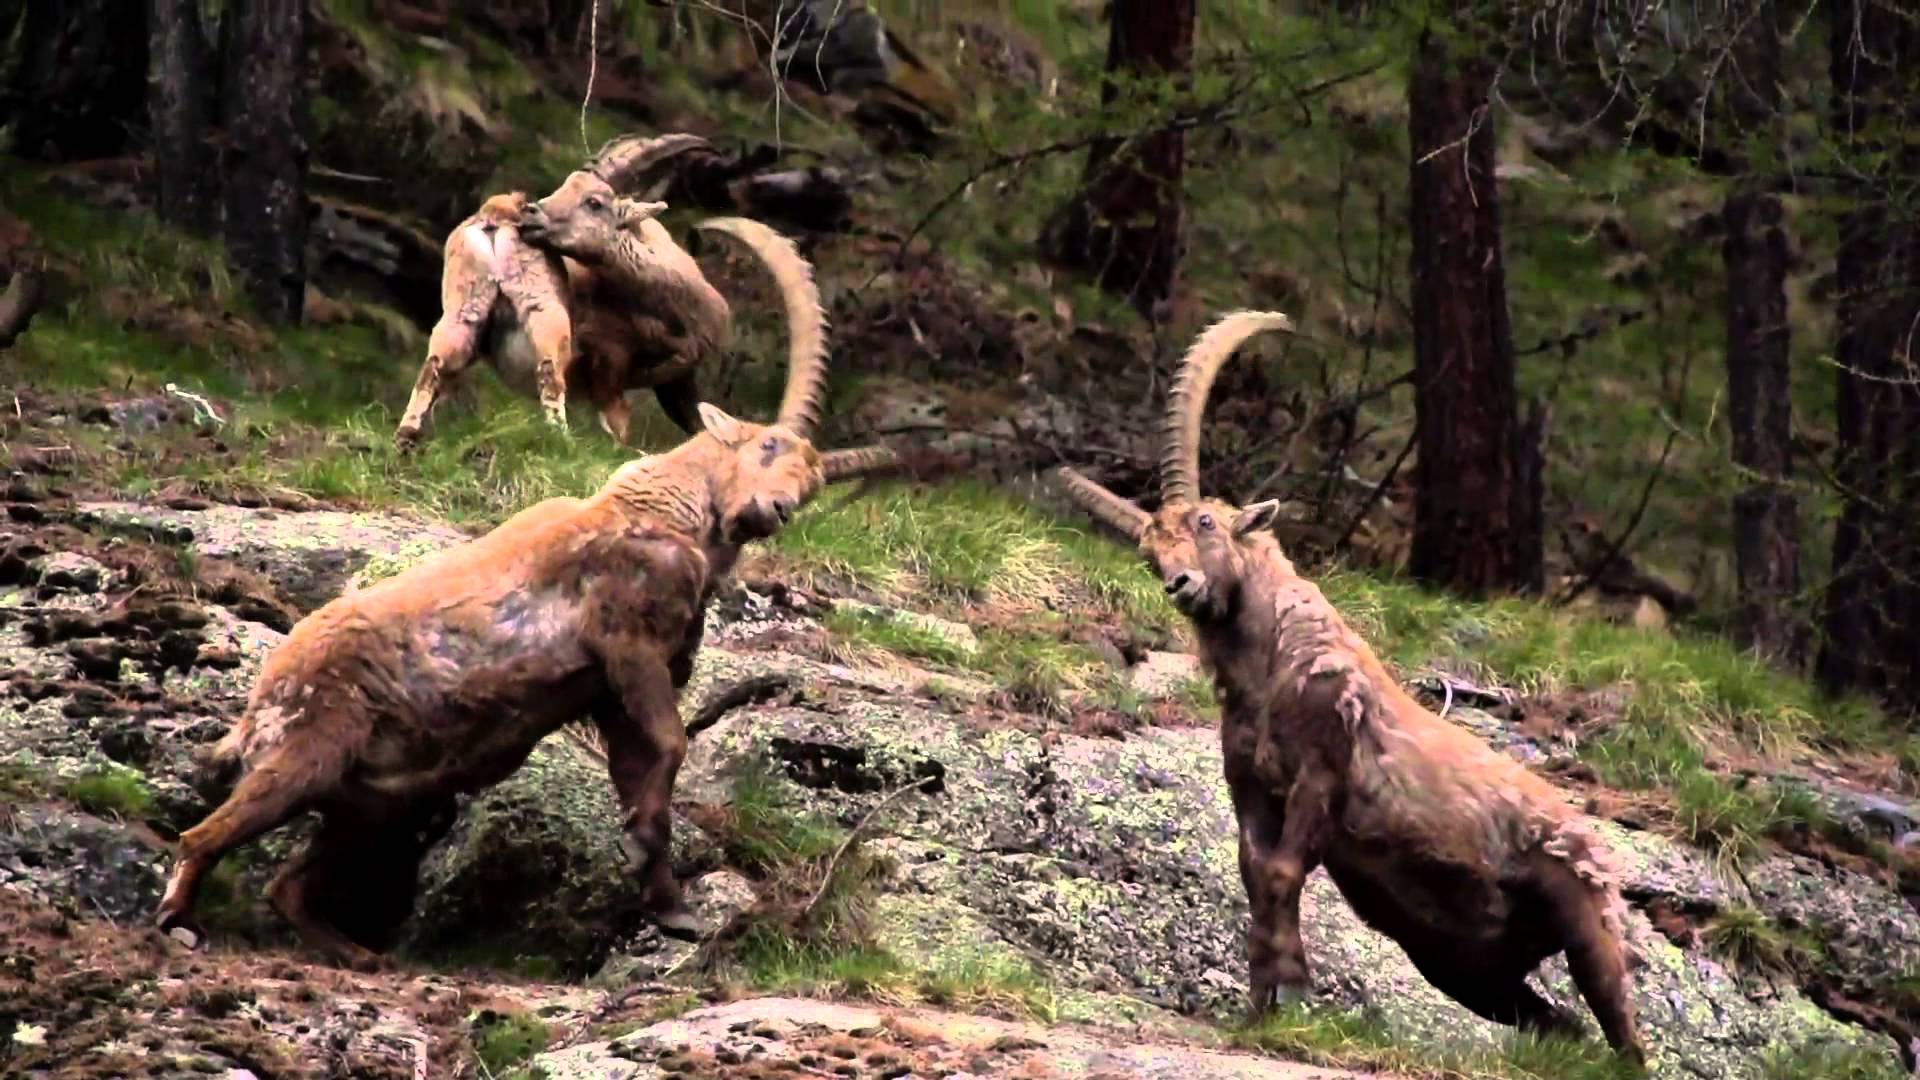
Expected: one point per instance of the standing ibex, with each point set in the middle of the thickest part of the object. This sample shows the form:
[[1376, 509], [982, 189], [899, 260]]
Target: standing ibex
[[586, 289], [1474, 865], [385, 703]]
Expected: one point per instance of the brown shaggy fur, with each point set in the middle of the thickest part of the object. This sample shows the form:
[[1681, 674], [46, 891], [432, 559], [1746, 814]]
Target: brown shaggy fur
[[586, 291], [386, 703], [1474, 865]]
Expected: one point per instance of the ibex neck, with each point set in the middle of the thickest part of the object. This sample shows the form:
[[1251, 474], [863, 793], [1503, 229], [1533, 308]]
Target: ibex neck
[[674, 489]]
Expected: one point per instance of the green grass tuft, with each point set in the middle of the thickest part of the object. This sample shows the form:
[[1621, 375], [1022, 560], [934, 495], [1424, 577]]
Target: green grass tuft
[[504, 1040], [1343, 1039], [1000, 982], [1749, 941], [1831, 1062], [119, 792]]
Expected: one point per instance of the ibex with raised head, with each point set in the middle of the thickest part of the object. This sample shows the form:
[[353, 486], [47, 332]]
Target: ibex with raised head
[[1474, 865]]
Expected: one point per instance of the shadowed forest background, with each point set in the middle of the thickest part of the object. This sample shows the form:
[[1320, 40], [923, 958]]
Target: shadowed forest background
[[1601, 405]]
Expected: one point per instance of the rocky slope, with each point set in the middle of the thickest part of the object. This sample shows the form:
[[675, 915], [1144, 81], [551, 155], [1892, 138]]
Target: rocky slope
[[1100, 864]]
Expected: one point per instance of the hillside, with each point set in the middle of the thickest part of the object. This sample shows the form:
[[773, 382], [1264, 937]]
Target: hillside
[[960, 765]]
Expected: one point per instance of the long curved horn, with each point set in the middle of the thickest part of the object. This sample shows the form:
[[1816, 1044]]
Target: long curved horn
[[806, 319], [848, 464], [626, 159], [1180, 458], [1104, 504]]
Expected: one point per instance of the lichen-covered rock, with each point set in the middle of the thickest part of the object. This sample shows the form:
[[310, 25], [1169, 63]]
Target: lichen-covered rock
[[800, 1036], [69, 571], [1115, 863], [311, 555]]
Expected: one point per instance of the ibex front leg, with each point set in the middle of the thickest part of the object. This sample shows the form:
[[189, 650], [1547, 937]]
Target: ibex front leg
[[645, 746], [1278, 849]]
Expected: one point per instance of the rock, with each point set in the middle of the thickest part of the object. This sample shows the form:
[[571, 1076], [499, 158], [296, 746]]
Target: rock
[[69, 571], [1162, 674], [311, 556], [800, 1036], [81, 864], [187, 938]]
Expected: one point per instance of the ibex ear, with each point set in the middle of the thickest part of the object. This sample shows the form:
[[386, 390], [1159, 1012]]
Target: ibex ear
[[729, 431], [632, 212], [1256, 517]]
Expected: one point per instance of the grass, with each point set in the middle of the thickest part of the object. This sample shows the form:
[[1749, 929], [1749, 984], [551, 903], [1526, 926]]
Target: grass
[[118, 792], [1830, 1062], [1750, 942], [504, 1040], [1352, 1040], [967, 543]]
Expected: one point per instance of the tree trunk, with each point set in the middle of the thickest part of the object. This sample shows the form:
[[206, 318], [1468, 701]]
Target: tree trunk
[[81, 79], [180, 103], [1124, 225], [265, 117], [1475, 516], [1766, 517], [1872, 616]]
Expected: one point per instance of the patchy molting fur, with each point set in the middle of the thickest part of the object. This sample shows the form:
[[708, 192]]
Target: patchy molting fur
[[595, 297], [388, 701], [1473, 864]]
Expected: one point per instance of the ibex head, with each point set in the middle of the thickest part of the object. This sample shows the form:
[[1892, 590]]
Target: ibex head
[[1200, 547], [584, 219], [589, 210]]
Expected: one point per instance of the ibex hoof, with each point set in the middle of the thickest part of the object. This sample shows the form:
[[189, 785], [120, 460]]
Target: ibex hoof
[[406, 439], [1278, 996]]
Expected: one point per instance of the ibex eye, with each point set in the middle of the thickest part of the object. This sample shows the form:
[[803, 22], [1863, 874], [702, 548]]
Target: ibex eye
[[594, 204], [1206, 521], [769, 444]]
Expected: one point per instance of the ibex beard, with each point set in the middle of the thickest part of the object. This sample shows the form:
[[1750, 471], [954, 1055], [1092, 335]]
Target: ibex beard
[[1476, 867]]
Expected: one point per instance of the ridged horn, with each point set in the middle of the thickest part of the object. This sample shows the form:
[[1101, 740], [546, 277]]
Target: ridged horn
[[848, 464], [1104, 504], [806, 319], [1180, 459], [626, 159]]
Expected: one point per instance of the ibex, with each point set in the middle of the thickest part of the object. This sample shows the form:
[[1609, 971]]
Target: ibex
[[1470, 862], [385, 703], [586, 289]]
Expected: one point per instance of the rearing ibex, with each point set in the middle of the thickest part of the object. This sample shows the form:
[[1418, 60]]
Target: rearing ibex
[[586, 289], [383, 705], [1474, 865]]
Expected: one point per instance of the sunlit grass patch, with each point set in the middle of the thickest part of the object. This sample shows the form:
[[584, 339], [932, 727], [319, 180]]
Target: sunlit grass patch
[[1335, 1038], [966, 543]]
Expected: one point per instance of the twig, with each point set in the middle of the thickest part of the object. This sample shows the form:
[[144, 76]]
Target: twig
[[826, 877], [593, 69], [1379, 489], [1598, 566], [748, 691]]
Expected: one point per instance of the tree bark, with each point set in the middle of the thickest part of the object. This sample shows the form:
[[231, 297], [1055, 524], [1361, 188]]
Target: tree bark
[[1124, 225], [1872, 616], [265, 116], [1475, 514], [180, 108], [1766, 517], [80, 83]]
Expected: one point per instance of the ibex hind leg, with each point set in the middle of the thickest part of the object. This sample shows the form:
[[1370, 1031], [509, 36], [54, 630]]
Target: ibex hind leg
[[370, 896], [1504, 998], [332, 853], [273, 791]]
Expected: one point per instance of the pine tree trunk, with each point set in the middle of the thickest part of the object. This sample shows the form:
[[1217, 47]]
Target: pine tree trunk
[[1475, 515], [180, 108], [264, 109], [1124, 225], [1766, 517], [80, 83], [1872, 616]]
